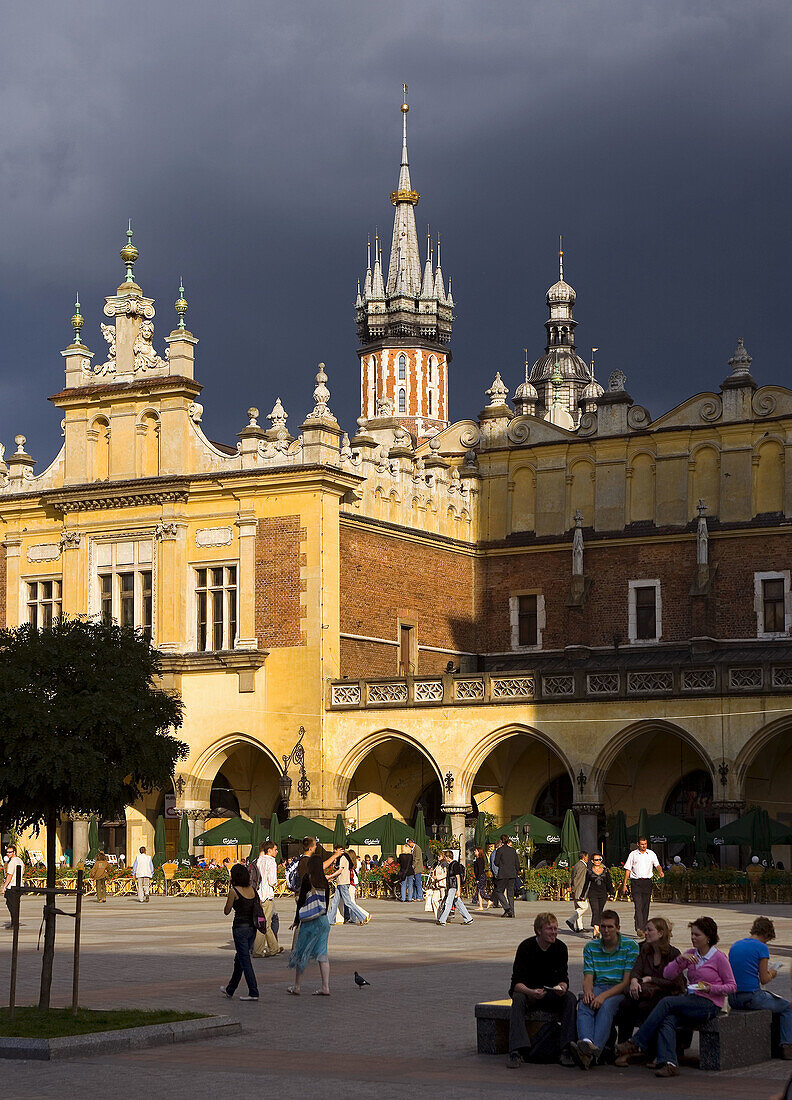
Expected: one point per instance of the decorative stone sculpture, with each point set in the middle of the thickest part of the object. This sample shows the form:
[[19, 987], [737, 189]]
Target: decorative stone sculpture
[[109, 333], [498, 392], [702, 536], [617, 381], [321, 396], [577, 546], [145, 356]]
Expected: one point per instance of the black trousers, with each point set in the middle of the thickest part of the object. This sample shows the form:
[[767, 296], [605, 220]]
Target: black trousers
[[597, 900], [641, 890], [504, 892], [564, 1005]]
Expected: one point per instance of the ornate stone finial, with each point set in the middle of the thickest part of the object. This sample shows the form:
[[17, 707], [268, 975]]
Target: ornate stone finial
[[20, 441], [180, 305], [471, 459], [616, 381], [740, 362], [252, 417], [434, 444], [497, 393], [401, 436], [345, 449], [278, 416], [77, 321], [321, 396], [362, 423], [129, 254], [577, 546], [560, 258]]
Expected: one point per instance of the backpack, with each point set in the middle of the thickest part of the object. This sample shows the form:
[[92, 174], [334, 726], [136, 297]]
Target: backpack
[[545, 1045], [293, 877], [255, 875]]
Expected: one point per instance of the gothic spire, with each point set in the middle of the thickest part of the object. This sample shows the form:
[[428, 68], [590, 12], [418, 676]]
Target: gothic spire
[[405, 236]]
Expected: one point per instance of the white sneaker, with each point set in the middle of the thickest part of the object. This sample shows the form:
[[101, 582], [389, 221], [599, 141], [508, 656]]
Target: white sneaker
[[225, 992], [248, 998]]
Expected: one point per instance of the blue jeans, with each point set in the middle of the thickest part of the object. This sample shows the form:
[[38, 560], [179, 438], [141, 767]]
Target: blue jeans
[[446, 907], [244, 938], [412, 888], [357, 916], [664, 1019], [763, 998], [596, 1024]]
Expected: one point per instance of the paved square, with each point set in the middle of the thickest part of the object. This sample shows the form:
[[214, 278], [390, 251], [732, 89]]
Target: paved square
[[412, 1033]]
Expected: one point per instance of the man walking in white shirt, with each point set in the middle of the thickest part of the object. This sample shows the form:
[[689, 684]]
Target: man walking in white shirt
[[13, 867], [268, 880], [638, 868], [143, 870]]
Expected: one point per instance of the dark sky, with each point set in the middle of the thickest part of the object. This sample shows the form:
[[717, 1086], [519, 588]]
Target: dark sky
[[255, 144]]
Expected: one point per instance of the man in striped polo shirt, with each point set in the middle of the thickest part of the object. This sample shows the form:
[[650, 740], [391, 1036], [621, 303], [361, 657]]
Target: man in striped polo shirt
[[607, 963]]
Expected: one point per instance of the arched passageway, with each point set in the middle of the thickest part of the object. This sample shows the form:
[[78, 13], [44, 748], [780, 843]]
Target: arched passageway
[[523, 774], [394, 776]]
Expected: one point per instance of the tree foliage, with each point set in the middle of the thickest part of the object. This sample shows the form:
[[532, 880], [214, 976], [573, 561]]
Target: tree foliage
[[83, 726]]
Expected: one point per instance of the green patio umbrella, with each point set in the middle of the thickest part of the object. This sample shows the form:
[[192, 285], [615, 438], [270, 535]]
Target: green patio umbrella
[[234, 831], [339, 832], [618, 844], [388, 837], [480, 833], [295, 828], [761, 836], [93, 838], [159, 842], [256, 837], [741, 831], [662, 829], [375, 830], [421, 837], [274, 834], [541, 832], [702, 856], [183, 853], [448, 827], [570, 841]]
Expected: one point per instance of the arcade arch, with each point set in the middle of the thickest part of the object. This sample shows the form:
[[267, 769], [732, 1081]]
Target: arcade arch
[[764, 770], [513, 770], [389, 772]]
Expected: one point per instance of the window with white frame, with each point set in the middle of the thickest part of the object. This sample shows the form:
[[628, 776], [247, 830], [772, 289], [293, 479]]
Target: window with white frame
[[125, 583], [644, 611], [43, 602], [527, 619], [216, 606], [402, 401], [773, 604], [402, 367]]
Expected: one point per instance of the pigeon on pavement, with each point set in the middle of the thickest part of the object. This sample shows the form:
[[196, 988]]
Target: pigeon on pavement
[[360, 981]]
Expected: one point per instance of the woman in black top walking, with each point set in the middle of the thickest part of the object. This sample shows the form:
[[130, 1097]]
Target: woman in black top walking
[[241, 898], [598, 888]]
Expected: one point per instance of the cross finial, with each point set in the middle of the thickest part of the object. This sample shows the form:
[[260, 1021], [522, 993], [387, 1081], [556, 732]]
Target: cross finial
[[77, 321], [181, 305], [561, 258]]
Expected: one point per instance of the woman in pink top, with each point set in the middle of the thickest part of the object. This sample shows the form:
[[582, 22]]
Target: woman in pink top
[[709, 980]]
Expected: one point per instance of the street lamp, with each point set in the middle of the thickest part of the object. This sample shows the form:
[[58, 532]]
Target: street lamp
[[296, 757]]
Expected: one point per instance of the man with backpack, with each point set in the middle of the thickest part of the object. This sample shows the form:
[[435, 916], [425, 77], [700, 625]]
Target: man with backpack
[[455, 873], [264, 879]]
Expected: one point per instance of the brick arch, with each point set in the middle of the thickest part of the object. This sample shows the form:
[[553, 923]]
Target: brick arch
[[756, 742], [360, 750], [610, 752], [477, 756]]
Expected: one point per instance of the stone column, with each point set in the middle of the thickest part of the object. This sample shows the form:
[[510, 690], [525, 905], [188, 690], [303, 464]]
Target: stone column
[[246, 628], [79, 838], [728, 812], [457, 813], [587, 814]]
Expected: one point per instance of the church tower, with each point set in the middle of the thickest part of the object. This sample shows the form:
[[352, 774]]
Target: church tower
[[560, 377], [404, 322]]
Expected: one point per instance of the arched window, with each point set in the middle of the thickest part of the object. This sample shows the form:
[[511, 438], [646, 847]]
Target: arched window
[[431, 366], [402, 367], [402, 401], [430, 402]]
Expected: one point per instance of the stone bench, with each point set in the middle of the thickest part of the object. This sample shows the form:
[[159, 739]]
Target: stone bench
[[734, 1039], [492, 1025]]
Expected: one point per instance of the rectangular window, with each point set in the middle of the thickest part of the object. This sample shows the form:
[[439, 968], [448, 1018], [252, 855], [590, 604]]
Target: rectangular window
[[430, 402], [644, 611], [43, 603], [528, 627], [773, 604], [216, 607], [773, 599], [406, 666], [125, 584]]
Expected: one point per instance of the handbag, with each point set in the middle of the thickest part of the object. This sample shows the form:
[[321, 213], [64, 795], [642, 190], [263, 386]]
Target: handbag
[[313, 907]]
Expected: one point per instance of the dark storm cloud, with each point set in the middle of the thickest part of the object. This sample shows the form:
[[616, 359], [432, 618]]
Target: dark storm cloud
[[254, 145]]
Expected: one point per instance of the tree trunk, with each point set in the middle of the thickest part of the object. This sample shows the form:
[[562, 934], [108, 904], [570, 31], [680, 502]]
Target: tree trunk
[[48, 957]]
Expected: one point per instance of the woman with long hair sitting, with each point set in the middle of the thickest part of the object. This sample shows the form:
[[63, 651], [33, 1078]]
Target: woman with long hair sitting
[[709, 981], [647, 984], [314, 927]]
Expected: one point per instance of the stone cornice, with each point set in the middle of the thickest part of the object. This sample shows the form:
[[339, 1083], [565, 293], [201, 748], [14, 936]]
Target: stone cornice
[[76, 395], [237, 660], [121, 495]]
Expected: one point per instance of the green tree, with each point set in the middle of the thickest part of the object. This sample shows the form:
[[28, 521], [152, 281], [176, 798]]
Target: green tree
[[84, 729]]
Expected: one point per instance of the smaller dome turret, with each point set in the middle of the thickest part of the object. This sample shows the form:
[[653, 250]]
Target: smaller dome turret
[[560, 292]]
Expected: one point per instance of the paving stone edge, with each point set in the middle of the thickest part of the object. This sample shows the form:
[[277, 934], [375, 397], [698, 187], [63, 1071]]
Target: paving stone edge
[[110, 1042]]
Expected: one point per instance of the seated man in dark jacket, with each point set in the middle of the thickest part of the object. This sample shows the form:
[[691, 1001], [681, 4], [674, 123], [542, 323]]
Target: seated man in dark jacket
[[540, 980]]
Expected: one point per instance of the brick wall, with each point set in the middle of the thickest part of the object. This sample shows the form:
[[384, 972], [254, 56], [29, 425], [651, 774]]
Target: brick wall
[[2, 587], [728, 611], [385, 578], [279, 559]]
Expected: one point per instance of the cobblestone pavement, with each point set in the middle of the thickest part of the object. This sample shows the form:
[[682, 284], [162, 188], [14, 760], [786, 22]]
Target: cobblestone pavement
[[411, 1033]]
